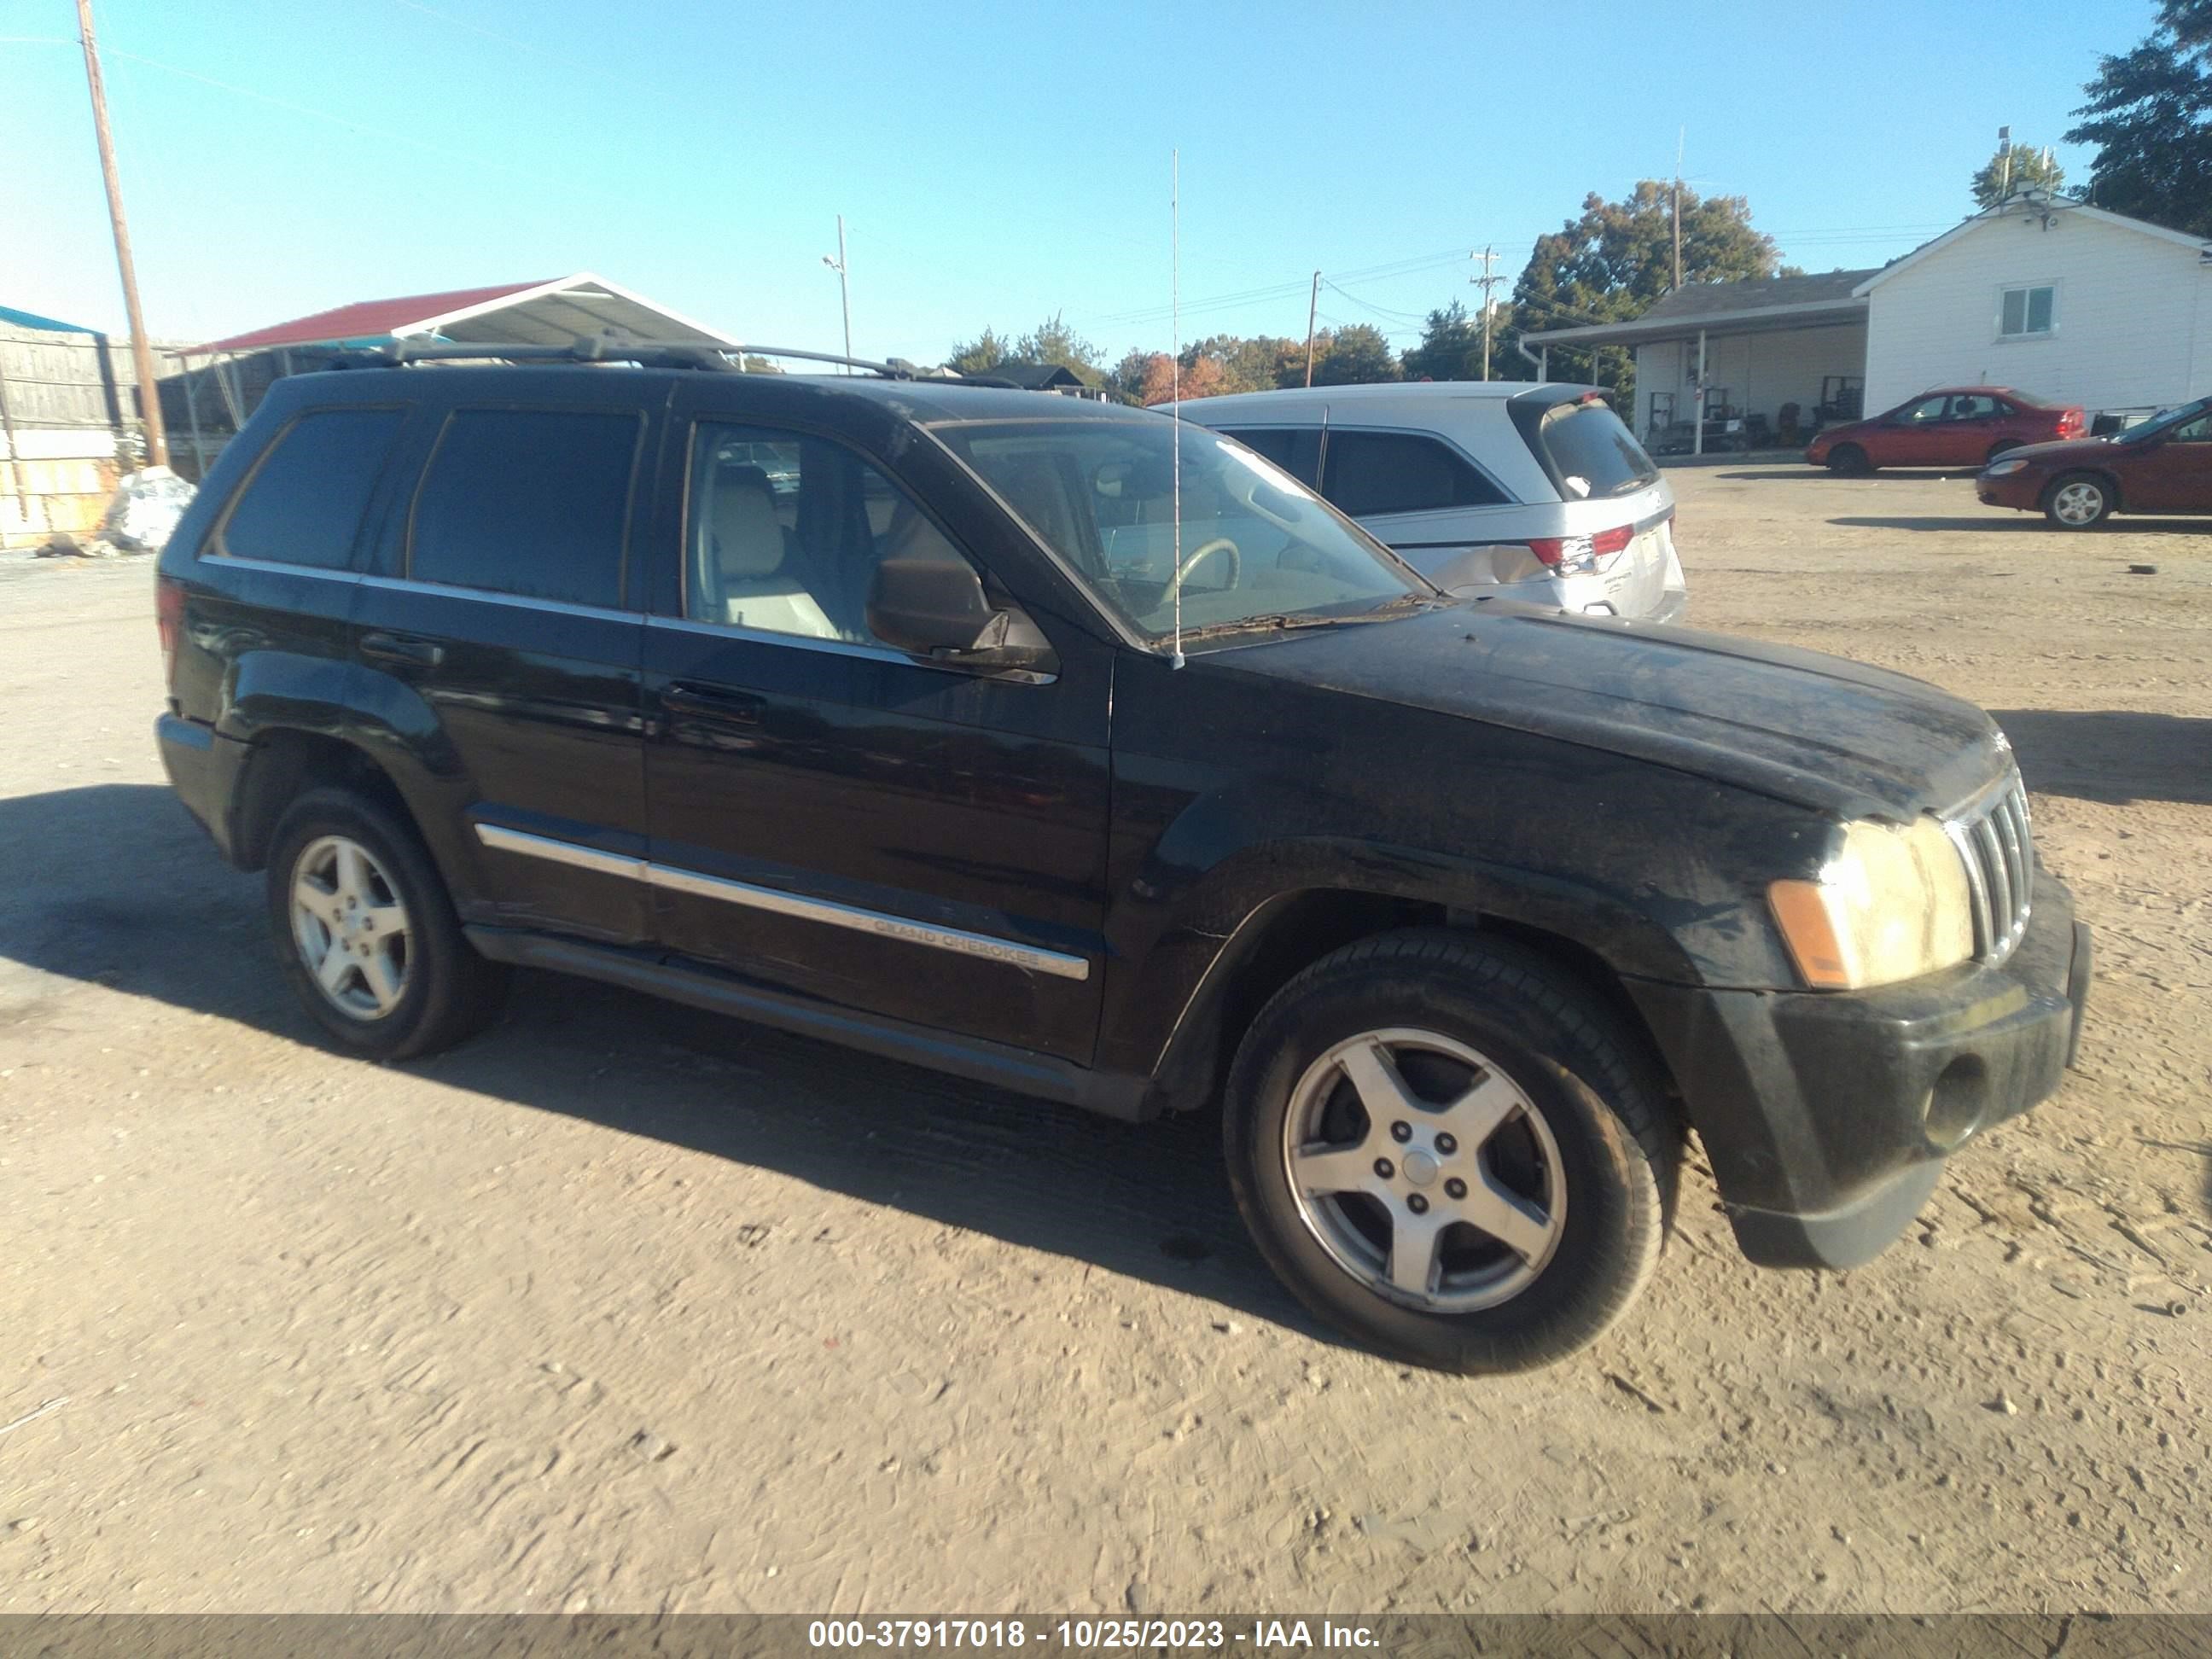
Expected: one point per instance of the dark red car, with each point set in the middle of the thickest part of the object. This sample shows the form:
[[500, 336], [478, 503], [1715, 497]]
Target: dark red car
[[1951, 426], [2164, 466]]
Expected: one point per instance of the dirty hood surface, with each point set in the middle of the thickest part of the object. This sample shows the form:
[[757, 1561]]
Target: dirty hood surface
[[1816, 730]]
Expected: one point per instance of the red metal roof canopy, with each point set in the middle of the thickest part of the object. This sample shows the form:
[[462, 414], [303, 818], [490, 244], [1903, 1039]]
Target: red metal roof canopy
[[531, 313]]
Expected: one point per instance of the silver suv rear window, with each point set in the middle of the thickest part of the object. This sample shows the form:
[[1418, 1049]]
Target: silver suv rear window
[[1592, 452]]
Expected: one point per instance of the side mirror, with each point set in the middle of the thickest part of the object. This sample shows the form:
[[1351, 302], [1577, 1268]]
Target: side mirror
[[937, 608]]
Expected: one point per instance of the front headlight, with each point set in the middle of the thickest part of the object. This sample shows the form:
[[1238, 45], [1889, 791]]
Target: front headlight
[[2000, 468], [1892, 905]]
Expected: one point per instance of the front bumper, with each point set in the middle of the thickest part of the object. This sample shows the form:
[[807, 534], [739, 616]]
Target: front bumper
[[2022, 490], [1827, 1116]]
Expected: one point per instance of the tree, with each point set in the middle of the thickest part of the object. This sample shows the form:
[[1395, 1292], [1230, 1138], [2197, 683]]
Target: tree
[[1165, 379], [2150, 117], [1357, 356], [2016, 168], [973, 356], [1051, 341], [1258, 364], [1616, 260], [1450, 347]]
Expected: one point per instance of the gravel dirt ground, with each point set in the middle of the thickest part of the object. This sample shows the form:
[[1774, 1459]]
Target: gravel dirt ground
[[623, 1308]]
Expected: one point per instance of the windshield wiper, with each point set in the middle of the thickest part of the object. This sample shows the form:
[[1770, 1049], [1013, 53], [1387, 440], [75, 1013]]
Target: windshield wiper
[[1285, 621]]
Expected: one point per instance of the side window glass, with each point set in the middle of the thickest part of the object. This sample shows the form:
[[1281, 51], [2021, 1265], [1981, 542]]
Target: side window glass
[[1374, 472], [1927, 411], [1974, 408], [2197, 431], [530, 502], [1278, 444], [304, 503], [785, 533]]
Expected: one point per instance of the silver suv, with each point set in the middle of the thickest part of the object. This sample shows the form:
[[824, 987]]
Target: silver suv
[[1528, 491]]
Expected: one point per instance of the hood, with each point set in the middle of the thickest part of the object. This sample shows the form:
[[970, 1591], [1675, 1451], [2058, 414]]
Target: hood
[[1799, 727], [2059, 449]]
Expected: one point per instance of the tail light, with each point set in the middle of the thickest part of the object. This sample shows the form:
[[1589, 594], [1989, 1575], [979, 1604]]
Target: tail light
[[169, 621], [2071, 425], [1572, 551]]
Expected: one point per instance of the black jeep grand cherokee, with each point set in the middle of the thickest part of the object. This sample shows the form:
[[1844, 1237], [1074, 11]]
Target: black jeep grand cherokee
[[853, 705]]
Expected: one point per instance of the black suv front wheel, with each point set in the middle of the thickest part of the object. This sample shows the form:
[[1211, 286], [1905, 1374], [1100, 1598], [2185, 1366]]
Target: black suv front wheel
[[366, 934], [1444, 1147]]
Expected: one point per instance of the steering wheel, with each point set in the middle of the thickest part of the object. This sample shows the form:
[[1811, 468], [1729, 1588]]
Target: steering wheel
[[1219, 544]]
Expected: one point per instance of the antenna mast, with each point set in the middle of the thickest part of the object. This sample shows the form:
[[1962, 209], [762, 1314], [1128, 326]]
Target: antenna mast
[[1175, 378]]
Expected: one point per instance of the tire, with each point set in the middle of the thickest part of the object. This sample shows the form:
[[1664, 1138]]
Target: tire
[[350, 887], [1849, 461], [1561, 1113], [2078, 501]]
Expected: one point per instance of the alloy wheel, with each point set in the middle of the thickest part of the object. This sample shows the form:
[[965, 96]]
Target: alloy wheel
[[350, 927], [1424, 1171], [2078, 503]]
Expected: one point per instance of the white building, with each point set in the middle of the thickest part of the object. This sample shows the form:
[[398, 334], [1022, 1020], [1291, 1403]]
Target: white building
[[2054, 297], [2044, 294]]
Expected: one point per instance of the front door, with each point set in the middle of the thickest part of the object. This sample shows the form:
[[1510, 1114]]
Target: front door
[[1912, 435], [834, 819], [2174, 474]]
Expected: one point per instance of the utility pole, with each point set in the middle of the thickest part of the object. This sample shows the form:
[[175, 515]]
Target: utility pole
[[1680, 135], [141, 353], [1487, 281], [844, 295], [1313, 308]]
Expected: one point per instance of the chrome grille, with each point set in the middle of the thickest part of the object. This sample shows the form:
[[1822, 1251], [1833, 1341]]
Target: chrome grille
[[1992, 835]]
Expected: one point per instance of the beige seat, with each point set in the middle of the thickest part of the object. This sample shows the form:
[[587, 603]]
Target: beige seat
[[747, 551]]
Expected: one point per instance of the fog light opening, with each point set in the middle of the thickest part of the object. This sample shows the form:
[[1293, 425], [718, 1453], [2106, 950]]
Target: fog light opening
[[1957, 1101]]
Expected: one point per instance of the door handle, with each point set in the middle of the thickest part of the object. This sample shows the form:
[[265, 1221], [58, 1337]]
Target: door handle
[[402, 647], [713, 703]]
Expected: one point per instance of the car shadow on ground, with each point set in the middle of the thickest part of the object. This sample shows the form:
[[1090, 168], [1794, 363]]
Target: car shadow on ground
[[1999, 519], [2115, 756], [114, 884]]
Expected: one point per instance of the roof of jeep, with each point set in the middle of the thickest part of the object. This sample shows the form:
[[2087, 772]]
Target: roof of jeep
[[927, 402]]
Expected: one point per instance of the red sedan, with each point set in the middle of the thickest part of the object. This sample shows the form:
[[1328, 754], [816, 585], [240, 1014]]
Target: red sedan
[[1951, 426], [2164, 466]]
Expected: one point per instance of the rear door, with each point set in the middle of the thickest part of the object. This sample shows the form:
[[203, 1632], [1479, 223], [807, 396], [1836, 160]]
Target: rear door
[[498, 643], [1427, 500], [835, 819], [1971, 428]]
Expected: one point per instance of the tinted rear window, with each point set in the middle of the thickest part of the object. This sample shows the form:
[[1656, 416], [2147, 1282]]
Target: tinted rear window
[[1372, 472], [1594, 454], [1276, 443], [304, 502], [528, 502]]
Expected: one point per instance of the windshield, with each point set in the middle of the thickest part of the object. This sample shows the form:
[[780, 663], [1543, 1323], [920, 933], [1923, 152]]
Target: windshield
[[1258, 548], [2164, 422]]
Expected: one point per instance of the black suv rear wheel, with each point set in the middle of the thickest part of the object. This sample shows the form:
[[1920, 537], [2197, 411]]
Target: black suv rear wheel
[[1443, 1146], [367, 933]]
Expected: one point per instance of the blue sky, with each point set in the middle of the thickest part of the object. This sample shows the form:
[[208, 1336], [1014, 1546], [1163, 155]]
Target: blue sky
[[994, 163]]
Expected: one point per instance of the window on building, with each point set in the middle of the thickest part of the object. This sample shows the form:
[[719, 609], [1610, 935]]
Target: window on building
[[1374, 472], [786, 532], [530, 502], [2027, 311], [305, 503]]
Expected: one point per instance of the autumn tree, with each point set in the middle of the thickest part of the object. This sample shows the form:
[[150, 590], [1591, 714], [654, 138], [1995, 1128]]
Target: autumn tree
[[2015, 167], [2150, 116]]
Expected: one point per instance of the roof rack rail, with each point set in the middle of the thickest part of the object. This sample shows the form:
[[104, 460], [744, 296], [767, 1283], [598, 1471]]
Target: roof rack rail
[[651, 354]]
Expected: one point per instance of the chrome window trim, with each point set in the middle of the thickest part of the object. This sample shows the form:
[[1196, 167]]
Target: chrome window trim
[[737, 634], [216, 556], [672, 878], [558, 607]]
